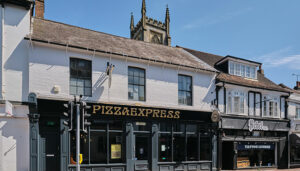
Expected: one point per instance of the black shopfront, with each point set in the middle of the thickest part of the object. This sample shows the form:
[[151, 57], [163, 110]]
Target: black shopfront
[[122, 137], [246, 142]]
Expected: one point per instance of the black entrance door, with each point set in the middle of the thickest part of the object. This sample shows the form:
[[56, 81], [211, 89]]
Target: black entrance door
[[51, 150], [227, 155], [50, 144]]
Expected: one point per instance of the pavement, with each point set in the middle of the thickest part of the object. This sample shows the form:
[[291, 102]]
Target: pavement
[[296, 169]]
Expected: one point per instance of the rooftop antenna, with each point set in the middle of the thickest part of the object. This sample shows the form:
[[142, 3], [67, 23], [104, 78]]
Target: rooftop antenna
[[297, 75]]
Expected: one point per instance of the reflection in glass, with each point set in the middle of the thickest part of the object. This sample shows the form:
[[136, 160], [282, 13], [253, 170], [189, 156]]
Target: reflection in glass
[[98, 147], [141, 147], [165, 144], [179, 147]]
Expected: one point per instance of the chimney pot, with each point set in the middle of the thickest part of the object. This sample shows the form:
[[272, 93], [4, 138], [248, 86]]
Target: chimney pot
[[39, 8]]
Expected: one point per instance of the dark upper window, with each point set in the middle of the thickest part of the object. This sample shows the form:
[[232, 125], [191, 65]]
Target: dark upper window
[[185, 90], [80, 77], [136, 84]]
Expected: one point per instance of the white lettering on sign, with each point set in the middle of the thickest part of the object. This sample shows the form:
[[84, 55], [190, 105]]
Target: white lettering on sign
[[256, 125], [257, 147]]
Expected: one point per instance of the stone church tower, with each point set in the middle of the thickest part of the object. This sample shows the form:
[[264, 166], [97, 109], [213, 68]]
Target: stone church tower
[[150, 30]]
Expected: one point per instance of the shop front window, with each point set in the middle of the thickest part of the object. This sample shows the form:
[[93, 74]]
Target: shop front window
[[165, 147], [142, 147], [205, 148], [84, 148], [182, 142], [104, 143], [255, 154]]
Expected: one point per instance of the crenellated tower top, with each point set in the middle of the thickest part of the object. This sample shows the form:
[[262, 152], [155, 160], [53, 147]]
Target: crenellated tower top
[[151, 30]]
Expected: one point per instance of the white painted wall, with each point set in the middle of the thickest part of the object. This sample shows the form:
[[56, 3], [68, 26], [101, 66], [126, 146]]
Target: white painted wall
[[293, 103], [14, 131], [15, 49], [49, 66], [14, 139]]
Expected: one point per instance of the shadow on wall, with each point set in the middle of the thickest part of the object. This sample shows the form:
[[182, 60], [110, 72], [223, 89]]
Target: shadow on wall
[[15, 141], [98, 87], [17, 67], [14, 16]]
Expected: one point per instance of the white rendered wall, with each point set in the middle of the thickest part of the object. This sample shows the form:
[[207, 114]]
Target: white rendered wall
[[14, 139], [49, 66], [14, 131], [293, 104], [15, 58]]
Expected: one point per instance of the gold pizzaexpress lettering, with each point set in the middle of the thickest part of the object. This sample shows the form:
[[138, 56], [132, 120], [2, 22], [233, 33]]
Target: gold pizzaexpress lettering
[[96, 108], [170, 114], [103, 107], [177, 115], [133, 111], [163, 113], [109, 110], [125, 111], [155, 113], [117, 111], [148, 112], [141, 112]]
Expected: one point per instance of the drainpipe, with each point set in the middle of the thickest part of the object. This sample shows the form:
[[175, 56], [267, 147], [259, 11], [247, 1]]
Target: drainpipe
[[2, 53]]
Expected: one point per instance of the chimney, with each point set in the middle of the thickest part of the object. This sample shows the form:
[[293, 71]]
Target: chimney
[[260, 70], [297, 87], [39, 8]]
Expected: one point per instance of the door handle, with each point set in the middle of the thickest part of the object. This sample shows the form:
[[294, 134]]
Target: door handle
[[50, 155]]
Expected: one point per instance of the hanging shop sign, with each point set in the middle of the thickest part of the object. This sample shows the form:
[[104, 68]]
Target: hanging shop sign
[[256, 125], [142, 112]]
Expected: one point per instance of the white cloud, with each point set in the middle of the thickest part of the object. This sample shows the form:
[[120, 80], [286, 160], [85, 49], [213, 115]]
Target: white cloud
[[281, 57], [215, 19]]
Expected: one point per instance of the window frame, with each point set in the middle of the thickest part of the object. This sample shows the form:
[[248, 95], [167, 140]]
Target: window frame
[[242, 70], [139, 68], [108, 131], [80, 77], [192, 87], [297, 114], [241, 99], [271, 103], [198, 133]]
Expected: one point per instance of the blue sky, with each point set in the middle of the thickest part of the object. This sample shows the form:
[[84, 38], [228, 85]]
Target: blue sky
[[266, 31]]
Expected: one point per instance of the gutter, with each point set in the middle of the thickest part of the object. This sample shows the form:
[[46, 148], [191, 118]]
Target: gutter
[[113, 53], [253, 86]]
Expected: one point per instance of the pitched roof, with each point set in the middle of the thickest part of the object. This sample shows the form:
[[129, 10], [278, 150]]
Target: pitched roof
[[72, 36], [210, 59], [262, 82]]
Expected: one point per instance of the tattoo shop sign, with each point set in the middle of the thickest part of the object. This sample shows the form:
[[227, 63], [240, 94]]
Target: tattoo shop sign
[[257, 125]]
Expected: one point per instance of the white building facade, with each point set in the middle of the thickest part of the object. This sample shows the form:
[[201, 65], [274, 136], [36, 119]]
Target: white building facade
[[165, 95], [253, 129]]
